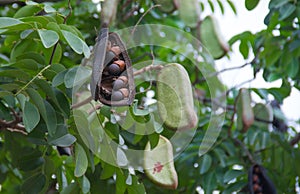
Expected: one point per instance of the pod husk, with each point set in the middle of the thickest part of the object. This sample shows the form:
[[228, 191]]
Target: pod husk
[[212, 38], [101, 83], [264, 182], [159, 164], [175, 98]]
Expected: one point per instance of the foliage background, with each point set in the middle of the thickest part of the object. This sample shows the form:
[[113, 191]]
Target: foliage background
[[42, 46]]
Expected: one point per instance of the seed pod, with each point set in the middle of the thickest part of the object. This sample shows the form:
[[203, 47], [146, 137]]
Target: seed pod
[[189, 12], [263, 185], [263, 112], [244, 110], [159, 164], [212, 38], [175, 98], [103, 77]]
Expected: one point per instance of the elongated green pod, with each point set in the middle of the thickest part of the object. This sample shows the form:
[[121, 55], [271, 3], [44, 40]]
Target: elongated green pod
[[263, 116], [189, 12], [244, 110], [212, 38], [175, 98], [159, 164]]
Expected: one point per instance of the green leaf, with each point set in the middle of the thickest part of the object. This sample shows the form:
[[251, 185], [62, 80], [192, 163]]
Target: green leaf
[[28, 10], [63, 141], [76, 76], [80, 160], [51, 119], [34, 184], [59, 78], [137, 111], [49, 9], [244, 49], [221, 6], [7, 21], [232, 174], [48, 37], [85, 184], [120, 182], [78, 45], [286, 10], [232, 6], [31, 116], [108, 171], [205, 164], [251, 4]]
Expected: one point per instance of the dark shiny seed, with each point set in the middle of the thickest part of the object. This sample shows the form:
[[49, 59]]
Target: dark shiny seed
[[118, 84], [117, 96], [114, 69]]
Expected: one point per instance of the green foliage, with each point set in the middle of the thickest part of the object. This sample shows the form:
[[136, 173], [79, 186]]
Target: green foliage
[[41, 48]]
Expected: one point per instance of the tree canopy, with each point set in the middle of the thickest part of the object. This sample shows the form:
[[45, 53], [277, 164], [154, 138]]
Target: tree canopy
[[180, 129]]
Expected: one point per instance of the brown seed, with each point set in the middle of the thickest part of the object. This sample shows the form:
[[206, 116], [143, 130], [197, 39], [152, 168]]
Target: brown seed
[[116, 50], [125, 92], [255, 178], [256, 188], [256, 170], [118, 84], [121, 64], [123, 78], [117, 96], [114, 69]]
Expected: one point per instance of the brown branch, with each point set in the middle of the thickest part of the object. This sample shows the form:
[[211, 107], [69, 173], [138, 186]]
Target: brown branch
[[295, 140], [81, 103], [240, 143], [222, 71], [148, 68], [12, 126]]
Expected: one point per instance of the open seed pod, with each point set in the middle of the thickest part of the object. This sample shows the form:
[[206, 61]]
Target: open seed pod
[[212, 38], [175, 98], [159, 164], [259, 182], [111, 63]]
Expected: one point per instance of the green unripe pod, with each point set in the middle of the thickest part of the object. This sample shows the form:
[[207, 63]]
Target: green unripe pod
[[159, 164], [175, 98]]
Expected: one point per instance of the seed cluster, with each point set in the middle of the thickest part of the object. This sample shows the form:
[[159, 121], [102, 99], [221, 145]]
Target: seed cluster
[[114, 83], [257, 187]]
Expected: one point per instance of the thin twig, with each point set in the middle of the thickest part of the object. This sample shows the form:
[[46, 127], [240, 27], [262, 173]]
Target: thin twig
[[222, 71], [148, 68], [70, 12], [250, 157], [146, 12], [295, 140], [81, 103]]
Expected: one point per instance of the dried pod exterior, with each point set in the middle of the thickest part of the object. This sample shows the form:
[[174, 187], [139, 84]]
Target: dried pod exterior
[[259, 182], [108, 66], [159, 164], [175, 98]]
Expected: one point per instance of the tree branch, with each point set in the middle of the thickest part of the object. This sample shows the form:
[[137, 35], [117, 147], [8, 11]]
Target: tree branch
[[295, 140]]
